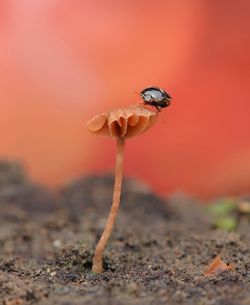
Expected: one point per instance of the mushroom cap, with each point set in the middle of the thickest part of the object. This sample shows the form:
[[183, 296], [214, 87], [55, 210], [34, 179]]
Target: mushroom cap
[[123, 123]]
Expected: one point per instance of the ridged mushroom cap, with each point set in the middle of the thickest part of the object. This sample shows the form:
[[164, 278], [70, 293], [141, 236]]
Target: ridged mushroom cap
[[123, 123]]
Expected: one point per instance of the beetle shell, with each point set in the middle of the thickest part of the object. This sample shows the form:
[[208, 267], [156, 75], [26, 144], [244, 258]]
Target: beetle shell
[[156, 97]]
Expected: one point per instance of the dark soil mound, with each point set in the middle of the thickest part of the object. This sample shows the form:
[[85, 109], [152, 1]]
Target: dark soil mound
[[157, 253]]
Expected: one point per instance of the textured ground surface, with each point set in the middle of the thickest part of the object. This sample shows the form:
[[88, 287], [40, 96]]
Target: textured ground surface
[[157, 253]]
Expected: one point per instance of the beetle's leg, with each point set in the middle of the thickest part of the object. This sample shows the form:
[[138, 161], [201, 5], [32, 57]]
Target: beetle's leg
[[158, 108]]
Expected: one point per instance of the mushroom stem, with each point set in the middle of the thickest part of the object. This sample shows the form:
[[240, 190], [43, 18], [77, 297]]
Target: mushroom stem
[[97, 260]]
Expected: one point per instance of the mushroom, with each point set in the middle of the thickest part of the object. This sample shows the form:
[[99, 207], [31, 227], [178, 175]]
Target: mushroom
[[119, 124]]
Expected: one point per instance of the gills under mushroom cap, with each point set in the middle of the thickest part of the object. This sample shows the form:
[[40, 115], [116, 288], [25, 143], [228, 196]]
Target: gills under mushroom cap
[[123, 123]]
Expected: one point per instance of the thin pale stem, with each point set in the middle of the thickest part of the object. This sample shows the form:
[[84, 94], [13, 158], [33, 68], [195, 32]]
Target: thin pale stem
[[98, 257]]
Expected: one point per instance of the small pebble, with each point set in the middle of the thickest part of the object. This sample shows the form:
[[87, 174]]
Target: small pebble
[[57, 243]]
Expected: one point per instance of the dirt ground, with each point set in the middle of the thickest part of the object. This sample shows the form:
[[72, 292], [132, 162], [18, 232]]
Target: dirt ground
[[157, 254]]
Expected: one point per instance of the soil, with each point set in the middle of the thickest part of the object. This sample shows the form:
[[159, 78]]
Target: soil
[[157, 254]]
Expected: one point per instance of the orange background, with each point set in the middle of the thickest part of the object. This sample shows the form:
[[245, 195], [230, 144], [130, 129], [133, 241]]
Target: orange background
[[64, 61]]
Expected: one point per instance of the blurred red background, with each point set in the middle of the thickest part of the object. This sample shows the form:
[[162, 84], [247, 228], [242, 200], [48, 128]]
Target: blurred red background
[[64, 61]]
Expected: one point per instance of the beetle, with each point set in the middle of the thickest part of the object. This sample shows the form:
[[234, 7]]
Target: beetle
[[155, 97]]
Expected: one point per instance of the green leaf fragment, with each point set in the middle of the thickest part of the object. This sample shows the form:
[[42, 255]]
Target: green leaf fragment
[[223, 207], [226, 223]]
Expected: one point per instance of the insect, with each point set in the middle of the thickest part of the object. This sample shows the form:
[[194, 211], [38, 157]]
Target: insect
[[156, 97]]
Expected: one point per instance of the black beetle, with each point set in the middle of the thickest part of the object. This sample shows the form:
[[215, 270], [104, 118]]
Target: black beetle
[[156, 97]]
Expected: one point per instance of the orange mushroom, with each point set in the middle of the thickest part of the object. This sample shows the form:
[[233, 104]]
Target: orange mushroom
[[119, 124]]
